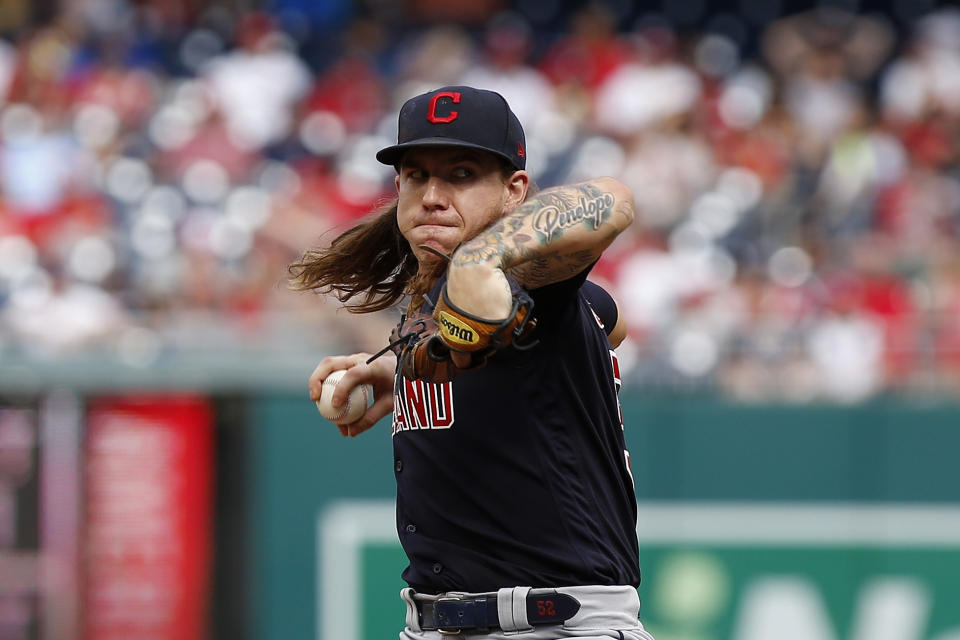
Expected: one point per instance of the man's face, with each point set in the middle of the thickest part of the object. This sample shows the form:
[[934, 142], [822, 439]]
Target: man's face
[[447, 196]]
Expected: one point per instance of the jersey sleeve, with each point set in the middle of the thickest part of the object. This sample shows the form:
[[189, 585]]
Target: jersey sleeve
[[603, 304]]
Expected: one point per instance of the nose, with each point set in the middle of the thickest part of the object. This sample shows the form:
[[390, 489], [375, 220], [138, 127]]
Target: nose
[[435, 194]]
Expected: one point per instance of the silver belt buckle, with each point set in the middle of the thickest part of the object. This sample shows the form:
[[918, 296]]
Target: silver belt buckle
[[448, 631]]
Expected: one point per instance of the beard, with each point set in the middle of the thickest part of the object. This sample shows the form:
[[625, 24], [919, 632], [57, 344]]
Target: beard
[[426, 277]]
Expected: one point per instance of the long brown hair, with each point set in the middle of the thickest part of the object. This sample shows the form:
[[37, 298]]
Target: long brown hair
[[371, 260]]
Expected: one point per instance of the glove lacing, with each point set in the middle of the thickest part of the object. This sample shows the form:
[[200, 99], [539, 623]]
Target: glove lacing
[[409, 338]]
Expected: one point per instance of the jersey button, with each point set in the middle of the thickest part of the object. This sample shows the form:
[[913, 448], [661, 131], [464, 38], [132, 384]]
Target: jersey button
[[411, 528], [398, 465], [437, 567]]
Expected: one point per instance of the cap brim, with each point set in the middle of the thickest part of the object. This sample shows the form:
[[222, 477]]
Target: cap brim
[[391, 155]]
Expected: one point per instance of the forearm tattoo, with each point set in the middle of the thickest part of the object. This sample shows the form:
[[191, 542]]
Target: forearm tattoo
[[551, 236], [559, 212]]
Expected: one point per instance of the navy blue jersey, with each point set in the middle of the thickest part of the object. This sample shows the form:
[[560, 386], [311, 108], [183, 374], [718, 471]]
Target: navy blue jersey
[[516, 474]]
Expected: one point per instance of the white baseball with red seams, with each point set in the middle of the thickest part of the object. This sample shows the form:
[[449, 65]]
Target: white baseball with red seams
[[355, 406]]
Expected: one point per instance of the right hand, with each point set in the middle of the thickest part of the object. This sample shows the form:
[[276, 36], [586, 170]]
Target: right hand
[[379, 374]]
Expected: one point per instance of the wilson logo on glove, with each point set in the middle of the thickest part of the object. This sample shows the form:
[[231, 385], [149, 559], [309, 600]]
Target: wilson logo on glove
[[455, 330]]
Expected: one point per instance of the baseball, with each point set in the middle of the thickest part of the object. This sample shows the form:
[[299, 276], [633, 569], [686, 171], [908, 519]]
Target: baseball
[[357, 402]]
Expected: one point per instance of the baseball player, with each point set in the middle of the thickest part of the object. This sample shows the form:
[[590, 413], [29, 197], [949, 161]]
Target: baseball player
[[515, 501]]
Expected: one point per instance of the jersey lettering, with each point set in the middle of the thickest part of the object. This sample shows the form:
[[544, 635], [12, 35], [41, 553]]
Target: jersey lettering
[[441, 405], [399, 419], [422, 405], [415, 405], [432, 111]]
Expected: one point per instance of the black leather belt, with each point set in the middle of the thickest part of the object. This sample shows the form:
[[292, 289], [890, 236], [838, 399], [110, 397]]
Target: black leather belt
[[456, 613]]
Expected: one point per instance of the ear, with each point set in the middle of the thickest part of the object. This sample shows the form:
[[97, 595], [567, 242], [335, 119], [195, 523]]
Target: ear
[[516, 187], [396, 182]]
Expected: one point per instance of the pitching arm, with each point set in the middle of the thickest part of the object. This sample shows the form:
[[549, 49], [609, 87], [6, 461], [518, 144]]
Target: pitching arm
[[379, 374]]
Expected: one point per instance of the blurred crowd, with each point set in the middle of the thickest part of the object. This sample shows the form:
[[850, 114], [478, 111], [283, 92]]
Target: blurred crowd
[[797, 178]]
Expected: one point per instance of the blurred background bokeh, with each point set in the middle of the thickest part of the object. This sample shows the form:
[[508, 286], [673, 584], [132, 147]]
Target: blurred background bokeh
[[791, 376]]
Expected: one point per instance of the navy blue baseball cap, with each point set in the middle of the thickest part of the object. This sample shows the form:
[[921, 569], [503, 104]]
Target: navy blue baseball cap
[[459, 116]]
